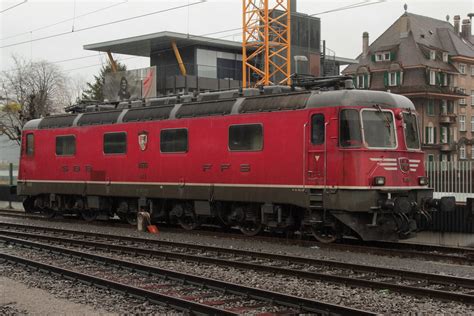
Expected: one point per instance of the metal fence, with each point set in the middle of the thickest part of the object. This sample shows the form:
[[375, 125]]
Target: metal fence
[[451, 178]]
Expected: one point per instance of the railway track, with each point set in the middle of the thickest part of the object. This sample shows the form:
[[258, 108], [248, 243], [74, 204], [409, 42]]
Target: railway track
[[402, 281], [457, 255], [184, 292]]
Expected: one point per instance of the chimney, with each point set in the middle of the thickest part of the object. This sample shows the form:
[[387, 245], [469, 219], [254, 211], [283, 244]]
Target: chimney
[[404, 26], [466, 29], [365, 43], [457, 20]]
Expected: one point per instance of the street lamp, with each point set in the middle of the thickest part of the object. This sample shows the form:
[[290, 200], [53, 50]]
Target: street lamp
[[297, 59]]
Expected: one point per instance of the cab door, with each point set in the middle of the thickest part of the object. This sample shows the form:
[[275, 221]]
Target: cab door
[[316, 147]]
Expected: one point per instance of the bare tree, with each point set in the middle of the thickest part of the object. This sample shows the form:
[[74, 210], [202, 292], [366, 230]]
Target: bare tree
[[31, 90]]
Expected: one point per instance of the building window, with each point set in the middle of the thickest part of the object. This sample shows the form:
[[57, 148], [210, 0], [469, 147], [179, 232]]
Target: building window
[[463, 100], [472, 152], [444, 107], [430, 135], [115, 143], [432, 54], [430, 109], [432, 77], [317, 129], [361, 81], [174, 140], [66, 145], [472, 97], [444, 135], [443, 79], [462, 152], [30, 144], [445, 57], [393, 79], [462, 123], [383, 56], [246, 137], [462, 69]]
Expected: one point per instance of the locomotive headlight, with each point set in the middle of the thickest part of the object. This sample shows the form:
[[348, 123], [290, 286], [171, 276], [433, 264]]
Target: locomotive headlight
[[379, 181], [423, 180]]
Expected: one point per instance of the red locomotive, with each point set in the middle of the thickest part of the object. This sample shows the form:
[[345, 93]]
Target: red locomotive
[[333, 162]]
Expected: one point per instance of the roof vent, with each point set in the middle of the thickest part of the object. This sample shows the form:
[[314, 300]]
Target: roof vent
[[349, 84]]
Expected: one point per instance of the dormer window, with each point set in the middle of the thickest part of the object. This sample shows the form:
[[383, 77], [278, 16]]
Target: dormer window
[[432, 54], [432, 77], [362, 81], [445, 57], [383, 56]]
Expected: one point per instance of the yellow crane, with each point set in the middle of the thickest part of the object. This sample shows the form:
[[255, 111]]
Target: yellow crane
[[266, 44]]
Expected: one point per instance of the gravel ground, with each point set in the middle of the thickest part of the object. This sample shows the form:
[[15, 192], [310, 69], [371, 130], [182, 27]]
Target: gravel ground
[[280, 248], [380, 301], [98, 301]]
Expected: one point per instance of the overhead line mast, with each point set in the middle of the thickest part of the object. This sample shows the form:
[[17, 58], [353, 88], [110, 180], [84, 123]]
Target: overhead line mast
[[266, 44]]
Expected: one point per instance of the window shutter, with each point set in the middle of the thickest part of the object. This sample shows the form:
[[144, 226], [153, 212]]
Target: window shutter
[[441, 79], [449, 79], [398, 78], [434, 133], [354, 80], [373, 57], [385, 78], [392, 55], [366, 79], [426, 135], [448, 133], [427, 76], [437, 76]]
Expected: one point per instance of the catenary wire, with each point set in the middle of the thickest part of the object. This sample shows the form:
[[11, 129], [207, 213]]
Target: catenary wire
[[103, 24], [63, 21], [14, 6]]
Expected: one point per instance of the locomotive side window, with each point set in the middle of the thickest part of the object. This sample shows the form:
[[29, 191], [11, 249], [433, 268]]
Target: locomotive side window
[[349, 129], [30, 144], [174, 140], [115, 143], [412, 137], [66, 145], [379, 129], [317, 129], [246, 137]]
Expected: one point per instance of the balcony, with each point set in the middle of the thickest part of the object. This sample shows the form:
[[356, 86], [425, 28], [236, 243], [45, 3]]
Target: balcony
[[448, 147], [447, 118]]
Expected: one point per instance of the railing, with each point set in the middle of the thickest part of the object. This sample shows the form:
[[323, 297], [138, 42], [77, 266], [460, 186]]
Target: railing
[[8, 180], [451, 178]]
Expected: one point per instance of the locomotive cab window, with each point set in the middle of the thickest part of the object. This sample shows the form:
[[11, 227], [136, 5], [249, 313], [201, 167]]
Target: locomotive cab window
[[317, 129], [66, 145], [379, 128], [174, 140], [30, 145], [410, 126], [115, 143], [246, 137], [349, 129]]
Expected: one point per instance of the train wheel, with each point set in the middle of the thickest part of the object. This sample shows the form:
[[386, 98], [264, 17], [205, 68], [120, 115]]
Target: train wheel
[[251, 228], [48, 213], [188, 221], [324, 234], [88, 215]]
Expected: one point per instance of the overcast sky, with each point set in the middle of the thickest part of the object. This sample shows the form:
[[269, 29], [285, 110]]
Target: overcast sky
[[341, 30]]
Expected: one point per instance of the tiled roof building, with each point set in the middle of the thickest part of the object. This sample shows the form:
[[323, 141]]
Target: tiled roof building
[[431, 62]]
